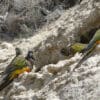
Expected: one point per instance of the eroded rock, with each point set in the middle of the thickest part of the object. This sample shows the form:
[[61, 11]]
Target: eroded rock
[[53, 80]]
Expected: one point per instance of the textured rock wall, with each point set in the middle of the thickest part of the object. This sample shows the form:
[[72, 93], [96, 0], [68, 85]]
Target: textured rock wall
[[23, 18], [71, 24], [53, 81]]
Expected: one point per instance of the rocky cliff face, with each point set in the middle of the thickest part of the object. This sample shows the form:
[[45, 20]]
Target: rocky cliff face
[[63, 26]]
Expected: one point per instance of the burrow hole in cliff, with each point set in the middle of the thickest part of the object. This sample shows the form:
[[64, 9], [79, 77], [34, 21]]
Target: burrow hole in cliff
[[88, 36], [84, 38]]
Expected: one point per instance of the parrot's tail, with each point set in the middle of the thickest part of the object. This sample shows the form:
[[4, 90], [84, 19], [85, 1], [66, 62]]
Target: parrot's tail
[[5, 82], [86, 56]]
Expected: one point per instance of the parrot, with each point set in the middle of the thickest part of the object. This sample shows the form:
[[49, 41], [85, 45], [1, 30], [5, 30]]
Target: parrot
[[73, 48], [18, 65], [90, 47]]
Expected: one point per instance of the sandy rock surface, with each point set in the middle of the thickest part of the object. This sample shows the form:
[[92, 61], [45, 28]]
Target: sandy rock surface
[[53, 80]]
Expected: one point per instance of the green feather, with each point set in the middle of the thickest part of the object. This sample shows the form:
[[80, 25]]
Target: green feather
[[77, 47], [96, 37], [20, 61]]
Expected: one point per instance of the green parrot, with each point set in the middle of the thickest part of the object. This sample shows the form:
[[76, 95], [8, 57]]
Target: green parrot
[[72, 49], [90, 47], [18, 65]]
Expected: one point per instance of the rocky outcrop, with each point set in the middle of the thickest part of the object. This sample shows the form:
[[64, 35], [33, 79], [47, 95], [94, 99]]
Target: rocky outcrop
[[53, 81], [25, 17], [66, 30]]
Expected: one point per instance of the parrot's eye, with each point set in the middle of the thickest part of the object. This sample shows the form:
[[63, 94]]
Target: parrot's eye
[[31, 55]]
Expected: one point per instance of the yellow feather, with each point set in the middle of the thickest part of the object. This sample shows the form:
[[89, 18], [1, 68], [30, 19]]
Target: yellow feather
[[16, 73], [98, 42]]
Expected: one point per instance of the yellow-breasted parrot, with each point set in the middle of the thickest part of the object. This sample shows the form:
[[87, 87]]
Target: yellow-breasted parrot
[[18, 65]]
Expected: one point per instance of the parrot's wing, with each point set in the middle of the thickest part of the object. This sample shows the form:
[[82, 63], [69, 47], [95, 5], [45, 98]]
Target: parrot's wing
[[8, 67], [17, 63]]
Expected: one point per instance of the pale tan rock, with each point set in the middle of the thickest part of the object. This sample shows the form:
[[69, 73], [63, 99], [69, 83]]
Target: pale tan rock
[[83, 83]]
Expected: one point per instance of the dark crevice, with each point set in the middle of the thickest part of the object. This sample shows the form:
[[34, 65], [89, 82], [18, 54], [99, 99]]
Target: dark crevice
[[85, 38]]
